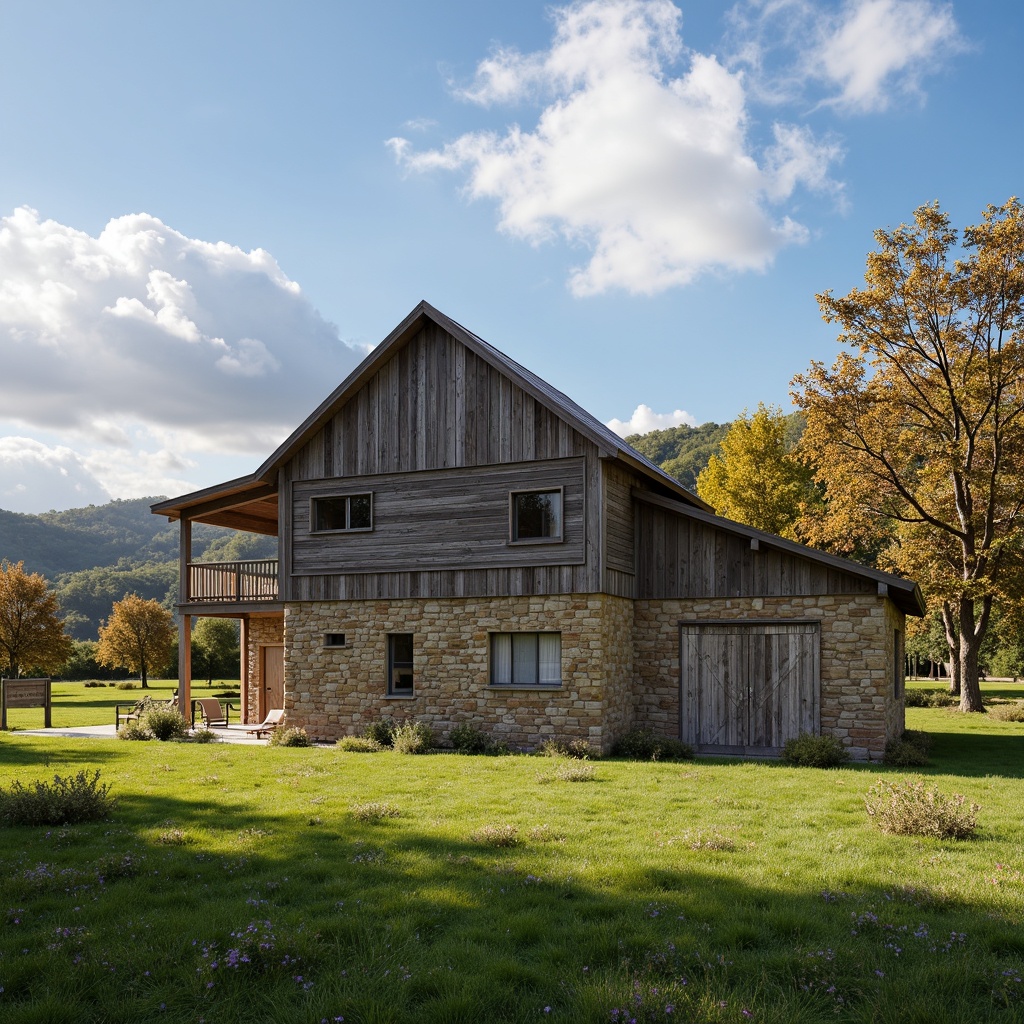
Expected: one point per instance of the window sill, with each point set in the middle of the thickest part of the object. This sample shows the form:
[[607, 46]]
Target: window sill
[[527, 541], [524, 686], [399, 696]]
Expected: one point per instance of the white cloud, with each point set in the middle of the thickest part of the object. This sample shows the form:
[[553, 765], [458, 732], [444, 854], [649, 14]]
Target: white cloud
[[35, 477], [865, 53], [142, 347], [655, 175], [645, 419]]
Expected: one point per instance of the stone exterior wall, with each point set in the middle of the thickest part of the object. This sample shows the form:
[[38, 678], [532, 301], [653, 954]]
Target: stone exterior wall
[[858, 705], [262, 630], [333, 692]]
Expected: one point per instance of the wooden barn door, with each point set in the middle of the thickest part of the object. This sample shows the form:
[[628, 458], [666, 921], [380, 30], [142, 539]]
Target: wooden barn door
[[271, 678], [747, 687]]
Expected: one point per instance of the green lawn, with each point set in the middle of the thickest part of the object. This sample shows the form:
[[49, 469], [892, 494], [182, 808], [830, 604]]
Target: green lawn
[[234, 883]]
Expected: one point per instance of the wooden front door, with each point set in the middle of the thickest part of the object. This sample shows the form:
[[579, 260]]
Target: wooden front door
[[747, 687], [271, 678]]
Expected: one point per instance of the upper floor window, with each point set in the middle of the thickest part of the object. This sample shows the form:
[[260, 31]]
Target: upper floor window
[[345, 512], [536, 516]]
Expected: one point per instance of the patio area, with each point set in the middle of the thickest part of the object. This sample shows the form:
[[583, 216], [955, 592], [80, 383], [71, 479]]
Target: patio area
[[231, 734]]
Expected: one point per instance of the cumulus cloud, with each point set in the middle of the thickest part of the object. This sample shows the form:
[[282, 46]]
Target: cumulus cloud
[[655, 175], [864, 53], [147, 352], [645, 419], [35, 477]]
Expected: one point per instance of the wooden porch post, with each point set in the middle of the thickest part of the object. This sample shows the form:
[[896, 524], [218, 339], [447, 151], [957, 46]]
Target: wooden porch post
[[185, 631], [243, 645]]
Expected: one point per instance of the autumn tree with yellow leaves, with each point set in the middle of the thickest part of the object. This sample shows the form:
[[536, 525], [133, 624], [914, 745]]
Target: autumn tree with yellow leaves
[[921, 426], [139, 635], [31, 629]]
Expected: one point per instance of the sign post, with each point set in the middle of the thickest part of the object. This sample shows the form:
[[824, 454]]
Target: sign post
[[24, 693]]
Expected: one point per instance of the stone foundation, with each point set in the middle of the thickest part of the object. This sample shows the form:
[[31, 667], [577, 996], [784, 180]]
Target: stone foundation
[[338, 691], [859, 702]]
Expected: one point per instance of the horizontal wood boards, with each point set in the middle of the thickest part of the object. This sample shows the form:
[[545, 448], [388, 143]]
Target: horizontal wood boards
[[748, 688], [441, 519], [681, 557]]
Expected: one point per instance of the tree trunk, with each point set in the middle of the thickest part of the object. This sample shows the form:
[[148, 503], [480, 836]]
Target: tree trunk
[[143, 677], [953, 639], [971, 636]]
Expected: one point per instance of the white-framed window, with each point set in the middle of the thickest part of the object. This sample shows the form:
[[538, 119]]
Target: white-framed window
[[343, 512], [400, 663], [526, 659], [535, 517]]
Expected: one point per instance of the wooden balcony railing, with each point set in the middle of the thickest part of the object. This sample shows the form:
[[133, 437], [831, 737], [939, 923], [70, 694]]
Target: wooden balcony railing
[[236, 582]]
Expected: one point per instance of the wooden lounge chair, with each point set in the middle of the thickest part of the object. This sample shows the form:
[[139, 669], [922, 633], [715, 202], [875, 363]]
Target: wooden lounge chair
[[274, 718], [213, 713]]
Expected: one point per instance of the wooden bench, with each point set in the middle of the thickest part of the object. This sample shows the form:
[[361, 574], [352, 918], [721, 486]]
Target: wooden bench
[[139, 708]]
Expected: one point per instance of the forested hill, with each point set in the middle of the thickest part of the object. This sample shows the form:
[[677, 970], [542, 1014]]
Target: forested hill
[[681, 451]]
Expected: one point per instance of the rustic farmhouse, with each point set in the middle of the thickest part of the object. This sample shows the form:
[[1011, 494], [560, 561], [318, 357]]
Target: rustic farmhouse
[[460, 542]]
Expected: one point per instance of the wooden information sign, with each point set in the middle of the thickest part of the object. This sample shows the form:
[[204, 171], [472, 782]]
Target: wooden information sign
[[24, 693]]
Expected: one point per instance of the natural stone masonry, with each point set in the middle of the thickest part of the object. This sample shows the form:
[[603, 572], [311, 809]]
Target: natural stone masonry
[[333, 692], [859, 704], [262, 630]]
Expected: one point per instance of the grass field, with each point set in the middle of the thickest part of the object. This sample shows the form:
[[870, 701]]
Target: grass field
[[237, 883]]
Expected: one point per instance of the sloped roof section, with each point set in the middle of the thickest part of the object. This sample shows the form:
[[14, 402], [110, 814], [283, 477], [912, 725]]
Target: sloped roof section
[[608, 443]]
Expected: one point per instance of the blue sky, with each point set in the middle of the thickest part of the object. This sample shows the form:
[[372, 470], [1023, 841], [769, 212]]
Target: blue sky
[[211, 210]]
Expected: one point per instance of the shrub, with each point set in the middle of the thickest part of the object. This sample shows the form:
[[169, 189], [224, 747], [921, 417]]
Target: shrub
[[293, 737], [906, 808], [642, 745], [572, 771], [496, 835], [134, 731], [1009, 712], [929, 699], [359, 745], [127, 685], [467, 739], [902, 754], [203, 735], [575, 748], [381, 732], [93, 682], [165, 723], [413, 738], [809, 751], [374, 812], [65, 801]]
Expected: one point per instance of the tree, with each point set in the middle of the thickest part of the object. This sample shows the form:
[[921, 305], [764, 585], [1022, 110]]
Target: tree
[[922, 427], [31, 631], [215, 645], [139, 636], [756, 480]]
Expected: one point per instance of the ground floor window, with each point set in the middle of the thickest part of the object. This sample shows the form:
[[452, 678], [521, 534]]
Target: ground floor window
[[526, 659], [400, 679]]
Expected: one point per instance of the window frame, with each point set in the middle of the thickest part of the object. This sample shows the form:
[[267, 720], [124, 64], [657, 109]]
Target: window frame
[[513, 539], [347, 498], [332, 641], [511, 683], [393, 664]]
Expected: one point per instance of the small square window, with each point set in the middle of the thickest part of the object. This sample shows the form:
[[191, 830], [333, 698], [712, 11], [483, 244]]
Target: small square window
[[526, 659], [536, 515], [334, 639], [400, 664], [347, 512]]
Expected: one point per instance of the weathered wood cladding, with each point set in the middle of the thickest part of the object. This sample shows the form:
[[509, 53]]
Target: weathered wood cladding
[[681, 557], [440, 519], [618, 518], [434, 405]]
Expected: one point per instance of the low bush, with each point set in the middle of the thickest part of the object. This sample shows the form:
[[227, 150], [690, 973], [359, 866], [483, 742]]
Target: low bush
[[89, 683], [413, 738], [929, 699], [359, 745], [1008, 712], [575, 748], [203, 735], [165, 723], [642, 745], [134, 731], [65, 801], [293, 737], [901, 754], [374, 812], [573, 771], [127, 685], [467, 739], [381, 732], [809, 751], [906, 808]]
